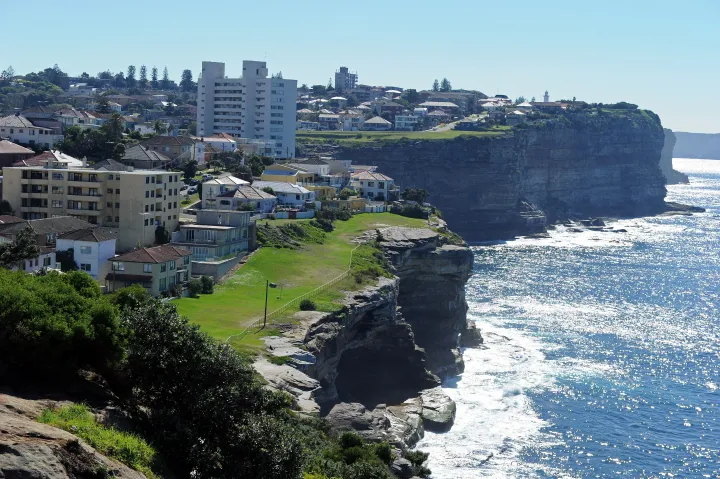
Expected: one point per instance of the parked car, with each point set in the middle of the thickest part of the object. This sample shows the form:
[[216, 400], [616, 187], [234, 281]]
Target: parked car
[[192, 190], [184, 187], [207, 177], [194, 181]]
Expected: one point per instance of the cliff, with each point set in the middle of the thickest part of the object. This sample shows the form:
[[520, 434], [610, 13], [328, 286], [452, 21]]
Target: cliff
[[697, 145], [374, 366], [672, 176], [575, 165]]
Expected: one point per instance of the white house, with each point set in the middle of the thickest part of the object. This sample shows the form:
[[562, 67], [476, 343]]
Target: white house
[[287, 194], [92, 248], [406, 122], [211, 189], [19, 129], [315, 165], [352, 122], [372, 185], [258, 199]]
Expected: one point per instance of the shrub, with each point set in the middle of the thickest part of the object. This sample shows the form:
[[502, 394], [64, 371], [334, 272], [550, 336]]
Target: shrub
[[208, 285], [246, 207], [126, 448], [307, 305], [324, 224], [195, 287]]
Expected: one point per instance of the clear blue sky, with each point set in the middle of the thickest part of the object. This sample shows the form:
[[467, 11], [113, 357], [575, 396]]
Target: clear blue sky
[[663, 55]]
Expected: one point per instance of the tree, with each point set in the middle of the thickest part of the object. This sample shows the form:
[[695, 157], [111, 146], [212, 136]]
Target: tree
[[445, 85], [130, 80], [532, 100], [318, 90], [21, 249], [170, 128], [277, 75], [159, 127], [192, 128], [119, 80], [269, 190], [162, 236], [329, 85], [102, 105], [5, 208], [154, 78], [165, 83], [347, 193], [190, 169], [7, 74], [436, 85], [412, 194], [106, 75], [411, 96], [84, 75], [186, 81], [143, 83], [520, 99]]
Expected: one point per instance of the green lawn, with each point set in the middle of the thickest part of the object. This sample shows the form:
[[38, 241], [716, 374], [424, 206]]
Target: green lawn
[[370, 136], [241, 299]]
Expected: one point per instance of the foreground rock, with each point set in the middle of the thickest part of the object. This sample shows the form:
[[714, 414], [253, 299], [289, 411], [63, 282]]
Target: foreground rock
[[32, 450]]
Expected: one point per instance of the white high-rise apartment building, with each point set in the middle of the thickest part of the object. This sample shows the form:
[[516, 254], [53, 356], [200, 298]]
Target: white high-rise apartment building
[[254, 106]]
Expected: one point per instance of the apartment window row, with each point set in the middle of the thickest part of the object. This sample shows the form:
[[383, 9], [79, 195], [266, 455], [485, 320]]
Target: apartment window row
[[276, 122], [277, 115], [277, 107], [109, 219]]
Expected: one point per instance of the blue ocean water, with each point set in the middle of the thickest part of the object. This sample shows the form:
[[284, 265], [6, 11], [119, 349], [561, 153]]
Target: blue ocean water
[[602, 354]]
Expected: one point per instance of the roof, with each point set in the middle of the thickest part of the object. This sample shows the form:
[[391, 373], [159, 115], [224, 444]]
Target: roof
[[438, 113], [556, 104], [9, 219], [167, 141], [156, 254], [377, 121], [311, 161], [525, 104], [226, 180], [45, 156], [221, 136], [248, 192], [368, 175], [329, 116], [16, 121], [110, 165], [194, 226], [140, 153], [439, 104], [338, 98], [389, 103], [281, 187], [305, 110], [10, 148], [91, 235], [58, 224], [516, 112], [281, 172]]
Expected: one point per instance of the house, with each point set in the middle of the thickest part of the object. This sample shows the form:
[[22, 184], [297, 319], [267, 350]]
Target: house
[[175, 147], [314, 165], [288, 174], [288, 194], [46, 233], [249, 195], [386, 106], [215, 242], [140, 157], [377, 124], [438, 116], [468, 124], [440, 105], [515, 117], [308, 125], [329, 121], [218, 186], [323, 192], [91, 247], [52, 156], [352, 121], [524, 106], [11, 153], [222, 142], [373, 186], [549, 106], [496, 115], [19, 129], [406, 122], [158, 269], [354, 204]]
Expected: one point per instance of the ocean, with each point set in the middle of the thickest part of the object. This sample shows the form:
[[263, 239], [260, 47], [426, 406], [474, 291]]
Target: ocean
[[602, 351]]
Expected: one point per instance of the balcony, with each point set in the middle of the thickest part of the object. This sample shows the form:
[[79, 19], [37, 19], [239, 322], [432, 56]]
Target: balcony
[[84, 195]]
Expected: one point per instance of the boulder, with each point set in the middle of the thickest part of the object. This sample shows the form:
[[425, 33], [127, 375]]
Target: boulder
[[370, 424], [438, 410], [402, 468]]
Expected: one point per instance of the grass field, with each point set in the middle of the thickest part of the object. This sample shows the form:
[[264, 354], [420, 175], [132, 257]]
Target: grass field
[[241, 299], [371, 136]]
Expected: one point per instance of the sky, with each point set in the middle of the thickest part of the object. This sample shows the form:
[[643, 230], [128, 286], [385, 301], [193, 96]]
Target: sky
[[662, 55]]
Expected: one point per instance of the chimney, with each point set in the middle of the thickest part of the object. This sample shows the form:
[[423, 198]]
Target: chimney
[[84, 162]]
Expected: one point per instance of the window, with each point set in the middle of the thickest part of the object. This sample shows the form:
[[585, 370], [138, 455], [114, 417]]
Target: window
[[86, 250], [57, 204], [186, 259], [117, 205], [147, 194], [147, 268], [163, 267], [117, 219], [147, 180], [109, 205], [108, 219], [85, 266], [381, 184], [110, 177], [117, 191], [147, 208], [172, 265], [146, 222], [47, 261], [57, 190], [163, 284], [118, 266], [371, 184], [109, 191]]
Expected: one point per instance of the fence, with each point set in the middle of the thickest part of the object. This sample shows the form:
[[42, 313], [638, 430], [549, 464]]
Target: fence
[[295, 302]]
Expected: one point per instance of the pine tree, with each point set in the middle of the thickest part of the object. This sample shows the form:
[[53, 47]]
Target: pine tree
[[445, 85], [130, 80], [143, 77], [186, 80], [154, 78], [436, 85], [165, 83]]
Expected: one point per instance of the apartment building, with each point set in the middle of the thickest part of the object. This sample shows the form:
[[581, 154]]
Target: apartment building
[[254, 106], [344, 80], [108, 193]]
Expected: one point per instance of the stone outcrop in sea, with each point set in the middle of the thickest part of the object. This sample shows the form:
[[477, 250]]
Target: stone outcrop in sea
[[672, 176]]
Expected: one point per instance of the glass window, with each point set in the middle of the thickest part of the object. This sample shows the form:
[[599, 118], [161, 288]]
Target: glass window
[[117, 205], [172, 265], [85, 266], [86, 250], [147, 267], [117, 219], [163, 283], [117, 191], [118, 266], [163, 267]]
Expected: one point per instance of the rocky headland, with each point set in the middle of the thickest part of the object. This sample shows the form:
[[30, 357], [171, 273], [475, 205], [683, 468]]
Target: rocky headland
[[666, 165], [572, 166], [375, 367]]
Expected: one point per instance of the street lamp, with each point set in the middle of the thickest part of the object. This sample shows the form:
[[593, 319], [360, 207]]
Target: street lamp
[[268, 285]]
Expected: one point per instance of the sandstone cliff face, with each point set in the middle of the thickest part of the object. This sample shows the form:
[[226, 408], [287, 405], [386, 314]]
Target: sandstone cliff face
[[672, 176], [491, 188]]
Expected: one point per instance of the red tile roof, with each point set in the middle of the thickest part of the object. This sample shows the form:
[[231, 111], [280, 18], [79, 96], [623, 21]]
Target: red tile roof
[[157, 254]]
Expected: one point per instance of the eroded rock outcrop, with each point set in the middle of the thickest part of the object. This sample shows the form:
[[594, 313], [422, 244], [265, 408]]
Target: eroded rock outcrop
[[666, 164]]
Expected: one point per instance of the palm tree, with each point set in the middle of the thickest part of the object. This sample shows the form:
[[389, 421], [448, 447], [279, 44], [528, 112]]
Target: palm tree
[[170, 128], [158, 127]]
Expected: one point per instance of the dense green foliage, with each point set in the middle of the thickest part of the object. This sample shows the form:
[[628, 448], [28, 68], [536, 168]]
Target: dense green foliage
[[307, 305], [55, 323], [127, 448], [415, 194], [102, 143], [22, 248], [290, 235]]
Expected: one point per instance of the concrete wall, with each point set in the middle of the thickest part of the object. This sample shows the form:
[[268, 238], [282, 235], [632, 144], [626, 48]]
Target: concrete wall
[[216, 269]]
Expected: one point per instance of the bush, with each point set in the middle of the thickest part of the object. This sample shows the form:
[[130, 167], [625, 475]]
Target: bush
[[55, 323], [324, 224], [246, 207], [208, 285], [411, 211], [195, 287], [126, 448], [307, 305], [333, 214]]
